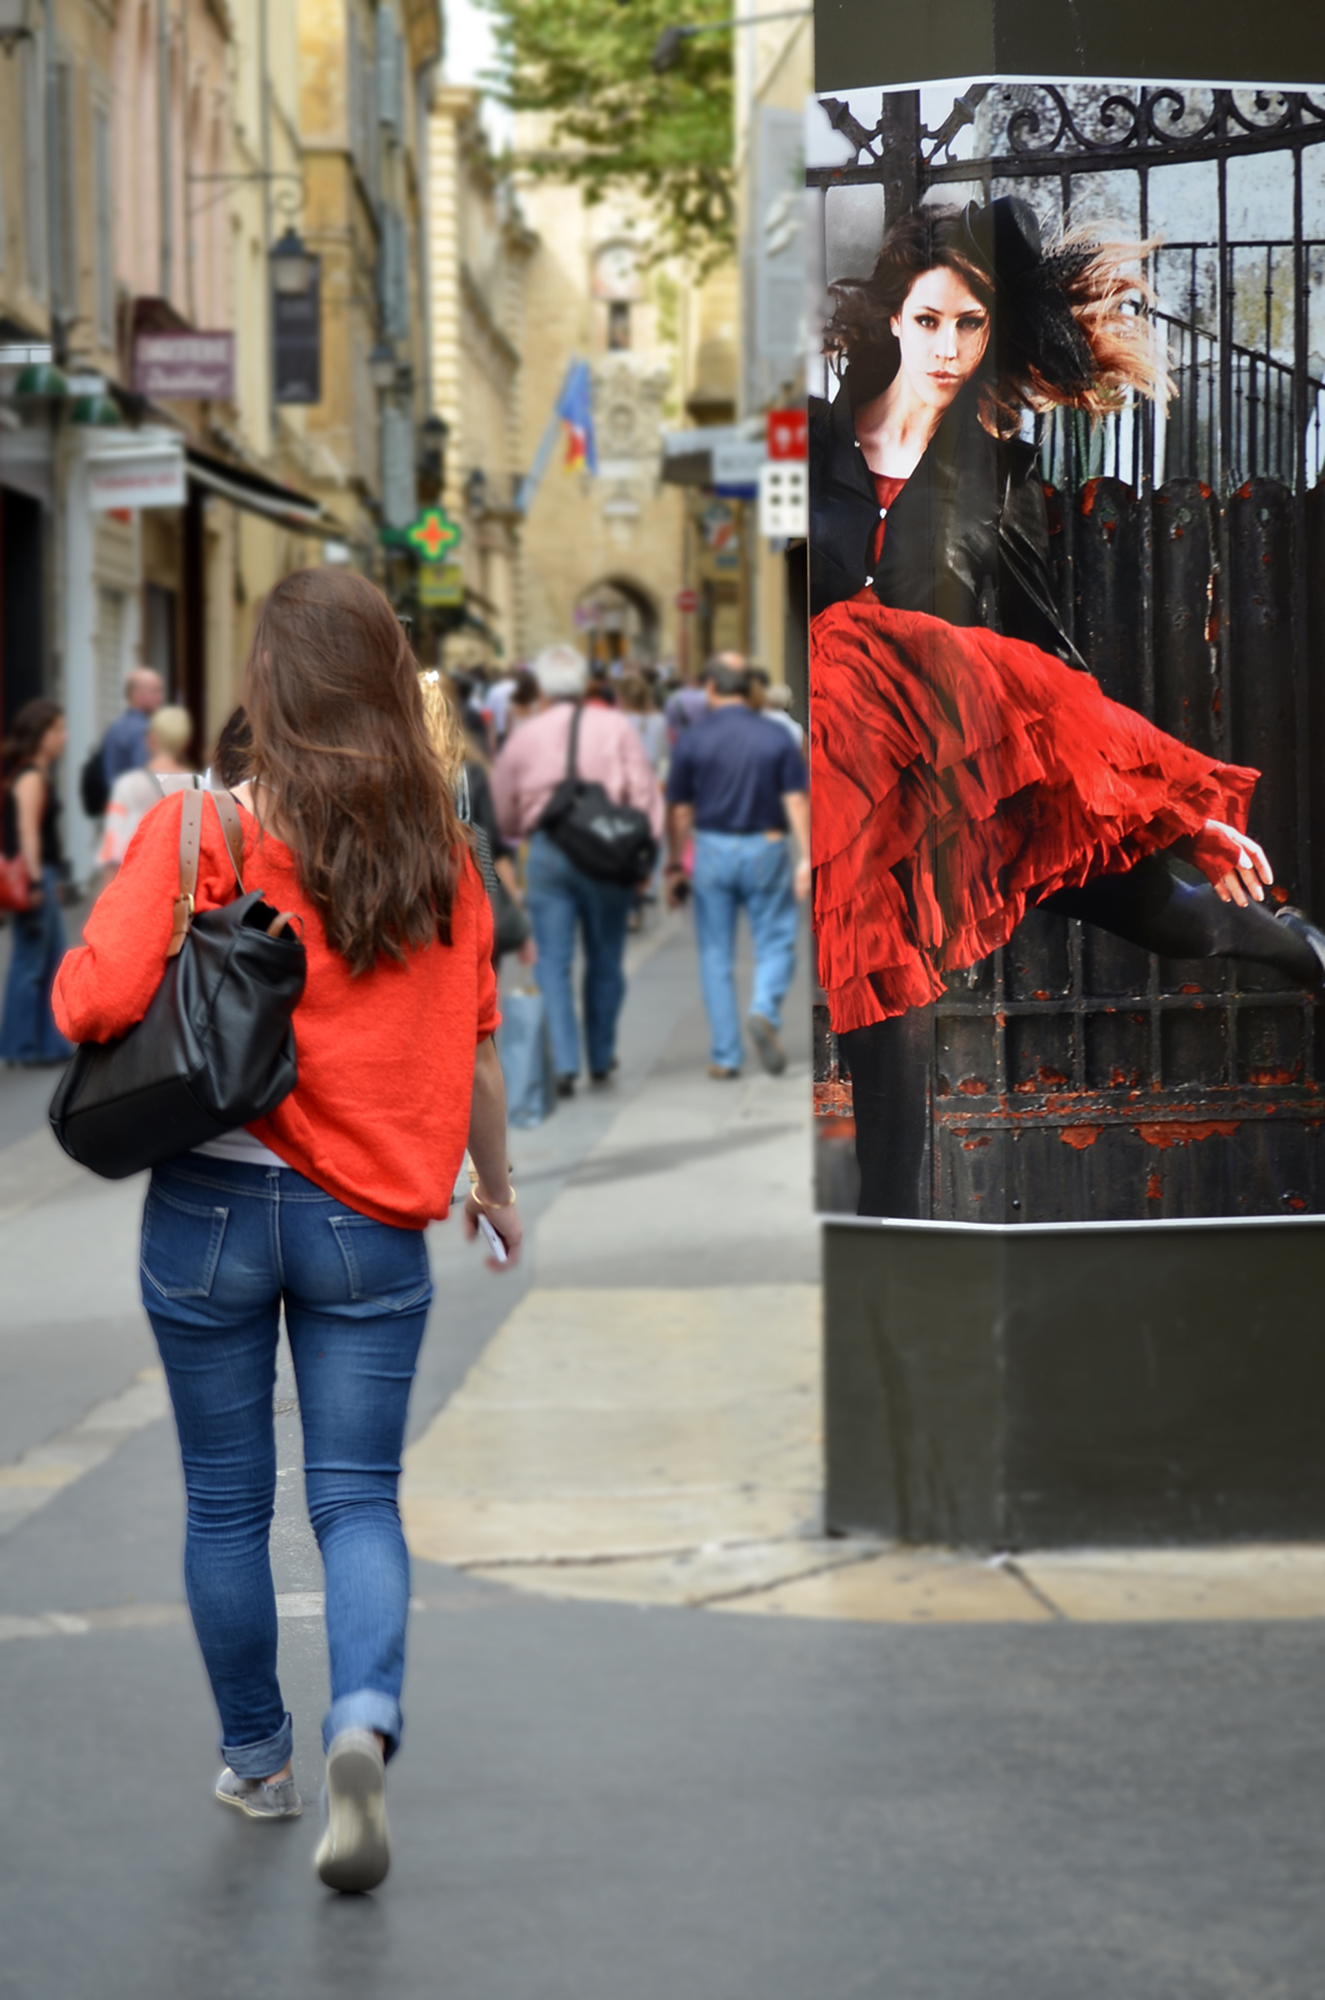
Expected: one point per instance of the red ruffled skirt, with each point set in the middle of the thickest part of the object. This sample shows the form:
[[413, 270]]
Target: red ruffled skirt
[[960, 777]]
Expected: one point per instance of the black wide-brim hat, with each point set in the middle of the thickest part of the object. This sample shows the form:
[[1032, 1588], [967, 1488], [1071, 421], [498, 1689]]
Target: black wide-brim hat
[[1034, 325]]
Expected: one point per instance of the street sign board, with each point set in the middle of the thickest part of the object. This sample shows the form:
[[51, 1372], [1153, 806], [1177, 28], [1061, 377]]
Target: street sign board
[[441, 584], [788, 434], [185, 365], [784, 499], [687, 600], [137, 475], [297, 341], [736, 465]]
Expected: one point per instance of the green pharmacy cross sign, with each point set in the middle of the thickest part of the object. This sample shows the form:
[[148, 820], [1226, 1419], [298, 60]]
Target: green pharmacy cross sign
[[433, 534]]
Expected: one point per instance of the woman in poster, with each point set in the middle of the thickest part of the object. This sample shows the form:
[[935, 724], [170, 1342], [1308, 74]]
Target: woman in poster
[[966, 766]]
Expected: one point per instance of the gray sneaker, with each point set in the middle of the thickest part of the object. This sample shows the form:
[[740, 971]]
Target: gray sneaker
[[257, 1798], [354, 1852], [768, 1043]]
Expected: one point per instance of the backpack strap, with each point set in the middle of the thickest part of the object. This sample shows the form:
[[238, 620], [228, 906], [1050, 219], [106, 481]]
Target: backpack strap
[[574, 739], [190, 835], [228, 814], [190, 842]]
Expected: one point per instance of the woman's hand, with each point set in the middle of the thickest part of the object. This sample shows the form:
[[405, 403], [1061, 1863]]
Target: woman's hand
[[493, 1194], [1237, 865], [505, 1219]]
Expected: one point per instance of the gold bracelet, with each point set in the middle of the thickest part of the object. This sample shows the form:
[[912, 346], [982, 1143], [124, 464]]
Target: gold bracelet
[[493, 1204]]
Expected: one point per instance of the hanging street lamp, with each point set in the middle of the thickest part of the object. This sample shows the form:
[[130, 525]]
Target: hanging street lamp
[[382, 367], [293, 267]]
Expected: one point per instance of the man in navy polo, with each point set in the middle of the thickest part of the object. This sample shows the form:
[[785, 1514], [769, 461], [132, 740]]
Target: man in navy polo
[[124, 746], [739, 783]]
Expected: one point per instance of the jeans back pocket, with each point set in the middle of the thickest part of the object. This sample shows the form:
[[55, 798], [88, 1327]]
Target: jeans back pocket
[[181, 1245], [384, 1266]]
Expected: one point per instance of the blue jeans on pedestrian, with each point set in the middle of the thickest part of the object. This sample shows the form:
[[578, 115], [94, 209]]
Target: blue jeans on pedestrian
[[225, 1244], [735, 870], [28, 1033], [560, 896]]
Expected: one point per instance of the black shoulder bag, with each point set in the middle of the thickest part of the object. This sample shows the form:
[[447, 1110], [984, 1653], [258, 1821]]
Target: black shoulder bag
[[610, 842], [511, 927], [216, 1047]]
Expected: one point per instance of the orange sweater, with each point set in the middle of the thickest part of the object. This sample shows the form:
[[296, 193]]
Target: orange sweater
[[380, 1115]]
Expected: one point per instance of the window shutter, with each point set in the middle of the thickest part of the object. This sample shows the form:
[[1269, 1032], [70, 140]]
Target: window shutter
[[399, 495], [33, 59], [105, 248], [65, 249], [388, 69]]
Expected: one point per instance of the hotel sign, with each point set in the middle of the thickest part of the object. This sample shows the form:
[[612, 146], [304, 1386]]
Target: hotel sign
[[185, 366]]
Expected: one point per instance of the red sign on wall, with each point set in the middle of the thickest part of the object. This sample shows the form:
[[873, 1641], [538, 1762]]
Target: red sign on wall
[[788, 434], [687, 600]]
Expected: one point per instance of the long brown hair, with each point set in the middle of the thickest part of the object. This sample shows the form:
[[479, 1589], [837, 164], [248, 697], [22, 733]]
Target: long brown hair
[[340, 737], [1062, 331], [26, 731]]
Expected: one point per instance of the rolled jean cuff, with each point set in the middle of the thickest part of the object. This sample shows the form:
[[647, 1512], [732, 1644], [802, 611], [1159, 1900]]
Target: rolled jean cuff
[[366, 1710], [259, 1760]]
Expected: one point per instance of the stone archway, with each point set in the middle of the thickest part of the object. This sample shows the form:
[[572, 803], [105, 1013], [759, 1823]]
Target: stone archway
[[617, 622]]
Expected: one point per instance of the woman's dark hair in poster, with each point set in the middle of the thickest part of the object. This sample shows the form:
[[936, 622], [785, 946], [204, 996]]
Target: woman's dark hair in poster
[[1066, 328]]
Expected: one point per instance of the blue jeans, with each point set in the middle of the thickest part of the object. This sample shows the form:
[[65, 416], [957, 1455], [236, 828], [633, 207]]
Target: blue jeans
[[560, 896], [731, 870], [224, 1244], [28, 1033]]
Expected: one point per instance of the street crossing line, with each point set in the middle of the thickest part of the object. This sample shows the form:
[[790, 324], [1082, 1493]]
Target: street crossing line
[[28, 1483]]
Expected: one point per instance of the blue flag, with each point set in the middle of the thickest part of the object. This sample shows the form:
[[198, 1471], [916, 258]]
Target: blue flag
[[575, 409]]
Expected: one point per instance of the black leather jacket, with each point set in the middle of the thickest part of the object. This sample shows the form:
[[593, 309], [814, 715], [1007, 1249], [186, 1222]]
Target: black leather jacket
[[968, 535]]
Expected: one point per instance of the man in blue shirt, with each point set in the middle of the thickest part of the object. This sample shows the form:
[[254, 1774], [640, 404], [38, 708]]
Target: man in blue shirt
[[738, 782], [124, 746]]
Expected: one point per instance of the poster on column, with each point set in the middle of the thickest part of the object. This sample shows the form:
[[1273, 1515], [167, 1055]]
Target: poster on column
[[1067, 650]]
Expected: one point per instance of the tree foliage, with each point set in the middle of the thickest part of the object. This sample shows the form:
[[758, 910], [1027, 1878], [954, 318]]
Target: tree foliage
[[614, 123]]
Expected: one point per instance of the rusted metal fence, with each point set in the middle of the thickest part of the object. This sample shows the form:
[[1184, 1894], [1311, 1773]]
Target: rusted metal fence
[[1073, 1075]]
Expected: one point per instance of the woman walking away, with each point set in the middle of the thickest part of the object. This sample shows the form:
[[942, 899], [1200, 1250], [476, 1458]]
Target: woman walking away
[[28, 1034], [349, 823]]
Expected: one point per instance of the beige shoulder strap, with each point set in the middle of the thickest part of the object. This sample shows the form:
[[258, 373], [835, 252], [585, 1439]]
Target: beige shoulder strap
[[190, 834], [232, 827], [190, 838]]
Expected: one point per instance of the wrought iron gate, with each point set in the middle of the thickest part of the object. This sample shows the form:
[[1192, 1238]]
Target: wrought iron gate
[[1072, 1075]]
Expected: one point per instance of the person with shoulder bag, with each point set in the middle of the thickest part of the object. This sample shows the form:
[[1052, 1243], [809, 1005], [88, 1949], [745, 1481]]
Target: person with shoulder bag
[[30, 871], [576, 784], [318, 1207]]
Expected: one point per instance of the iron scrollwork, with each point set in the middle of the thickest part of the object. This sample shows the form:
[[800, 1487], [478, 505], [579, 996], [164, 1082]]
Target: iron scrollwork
[[1160, 118], [1050, 128]]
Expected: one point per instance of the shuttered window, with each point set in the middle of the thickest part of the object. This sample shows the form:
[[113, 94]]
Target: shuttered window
[[34, 163], [109, 657], [64, 250], [388, 70], [105, 247]]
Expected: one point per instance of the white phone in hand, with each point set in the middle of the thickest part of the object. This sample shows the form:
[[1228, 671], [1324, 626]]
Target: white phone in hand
[[493, 1241]]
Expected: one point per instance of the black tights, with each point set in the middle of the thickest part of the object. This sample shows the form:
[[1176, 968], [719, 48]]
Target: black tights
[[1155, 905]]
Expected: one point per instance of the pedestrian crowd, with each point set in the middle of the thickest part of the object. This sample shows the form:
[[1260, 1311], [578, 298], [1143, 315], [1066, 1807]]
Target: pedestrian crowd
[[425, 841]]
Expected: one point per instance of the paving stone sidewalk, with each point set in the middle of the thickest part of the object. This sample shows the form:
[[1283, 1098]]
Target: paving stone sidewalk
[[662, 1738]]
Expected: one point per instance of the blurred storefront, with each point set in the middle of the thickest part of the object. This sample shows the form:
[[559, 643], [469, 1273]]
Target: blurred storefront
[[212, 341]]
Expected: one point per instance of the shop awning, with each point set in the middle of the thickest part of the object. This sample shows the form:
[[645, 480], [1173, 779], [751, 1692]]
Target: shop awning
[[259, 495], [725, 457]]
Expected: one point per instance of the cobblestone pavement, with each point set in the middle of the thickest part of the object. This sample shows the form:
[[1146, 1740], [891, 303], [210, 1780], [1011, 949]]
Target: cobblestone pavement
[[663, 1738]]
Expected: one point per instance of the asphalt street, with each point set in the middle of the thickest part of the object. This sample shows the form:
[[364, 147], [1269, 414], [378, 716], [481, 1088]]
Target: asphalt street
[[616, 1799]]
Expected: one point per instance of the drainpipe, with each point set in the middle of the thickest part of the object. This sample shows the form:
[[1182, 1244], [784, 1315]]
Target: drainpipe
[[264, 122], [165, 186]]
